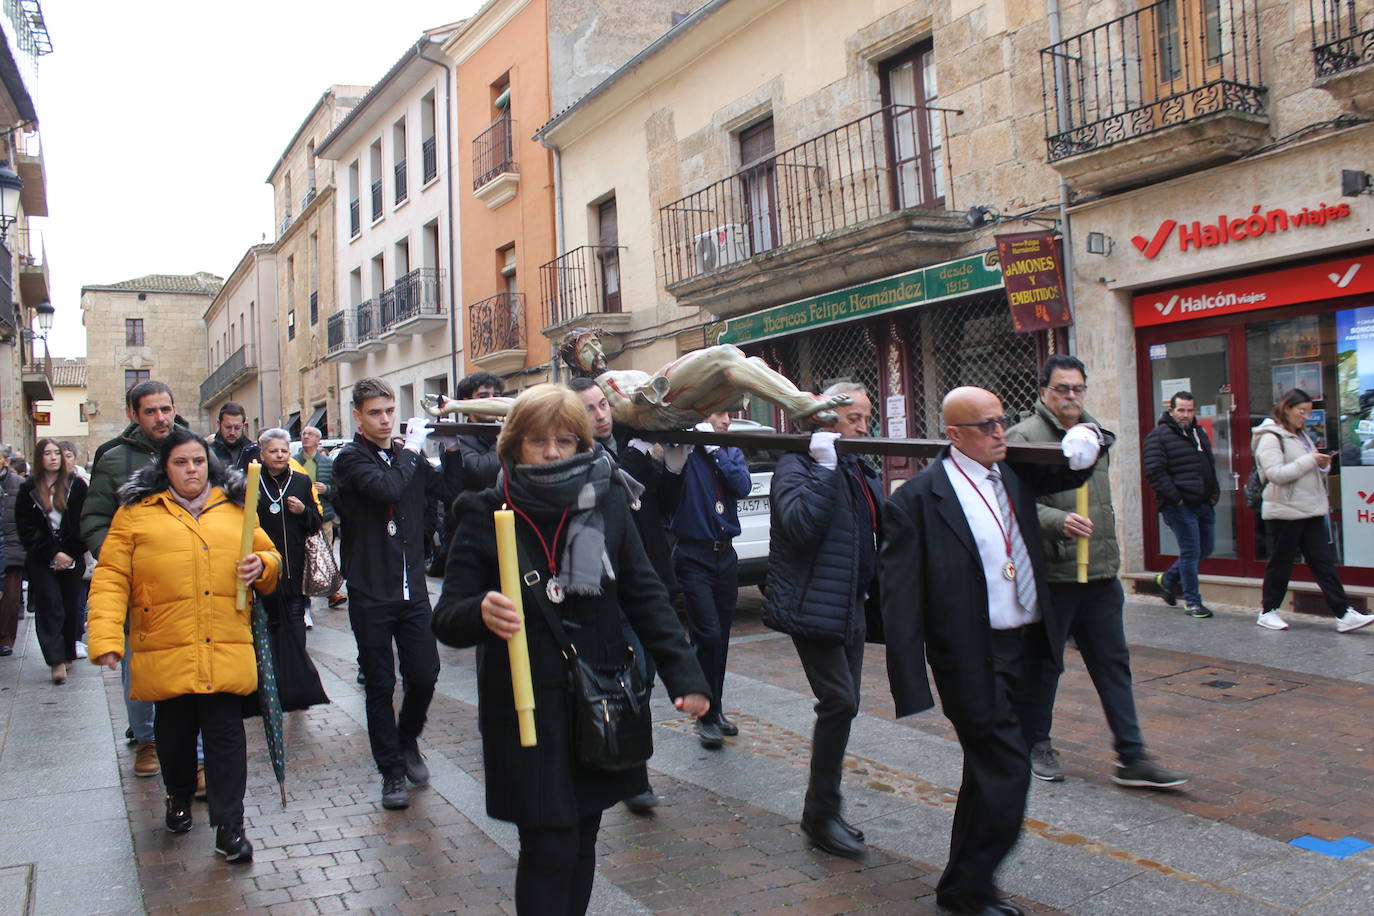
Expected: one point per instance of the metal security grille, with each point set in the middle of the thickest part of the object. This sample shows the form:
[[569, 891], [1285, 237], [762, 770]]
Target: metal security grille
[[967, 343], [845, 354]]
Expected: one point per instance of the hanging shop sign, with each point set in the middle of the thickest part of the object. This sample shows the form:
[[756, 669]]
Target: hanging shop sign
[[1309, 283], [1228, 228], [1034, 279], [948, 280], [42, 418]]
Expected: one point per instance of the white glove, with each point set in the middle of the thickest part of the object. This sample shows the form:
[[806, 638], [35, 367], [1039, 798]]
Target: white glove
[[416, 433], [704, 427], [675, 457], [639, 445], [1081, 445], [823, 449]]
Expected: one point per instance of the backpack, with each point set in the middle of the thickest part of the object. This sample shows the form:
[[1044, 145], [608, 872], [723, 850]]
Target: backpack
[[1254, 487]]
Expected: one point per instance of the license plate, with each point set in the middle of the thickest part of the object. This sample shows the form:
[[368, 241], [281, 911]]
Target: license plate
[[753, 505]]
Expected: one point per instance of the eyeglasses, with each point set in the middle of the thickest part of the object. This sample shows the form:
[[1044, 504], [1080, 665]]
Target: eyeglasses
[[1068, 389], [988, 427], [564, 443]]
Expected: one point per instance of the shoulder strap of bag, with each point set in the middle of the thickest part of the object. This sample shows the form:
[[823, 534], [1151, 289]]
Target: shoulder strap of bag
[[527, 574]]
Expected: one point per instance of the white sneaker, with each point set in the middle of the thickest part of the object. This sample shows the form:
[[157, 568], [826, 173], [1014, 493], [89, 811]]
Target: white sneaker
[[310, 623], [80, 649], [1271, 620], [1352, 620]]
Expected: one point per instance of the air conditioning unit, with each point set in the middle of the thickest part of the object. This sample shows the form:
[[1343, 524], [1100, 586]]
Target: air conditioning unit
[[720, 247]]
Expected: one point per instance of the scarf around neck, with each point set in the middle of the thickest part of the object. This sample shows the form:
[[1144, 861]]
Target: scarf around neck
[[580, 485], [193, 506]]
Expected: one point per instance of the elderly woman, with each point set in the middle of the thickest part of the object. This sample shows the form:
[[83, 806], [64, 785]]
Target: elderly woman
[[171, 565], [572, 509]]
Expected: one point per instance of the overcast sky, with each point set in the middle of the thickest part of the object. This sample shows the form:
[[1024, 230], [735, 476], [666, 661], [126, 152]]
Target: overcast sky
[[160, 121]]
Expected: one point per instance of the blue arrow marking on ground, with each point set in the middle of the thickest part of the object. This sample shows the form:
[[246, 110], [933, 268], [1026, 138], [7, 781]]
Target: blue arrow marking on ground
[[1340, 849]]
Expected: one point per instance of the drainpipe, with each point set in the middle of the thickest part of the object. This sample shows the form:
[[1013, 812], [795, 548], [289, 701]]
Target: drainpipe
[[1056, 35], [451, 209], [554, 369]]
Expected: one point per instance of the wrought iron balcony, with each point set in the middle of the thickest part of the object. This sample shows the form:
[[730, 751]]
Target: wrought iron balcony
[[400, 171], [32, 255], [365, 325], [239, 366], [1338, 41], [1170, 63], [284, 225], [429, 155], [497, 324], [493, 152], [377, 200], [583, 281], [341, 336], [354, 218], [35, 378], [307, 197]]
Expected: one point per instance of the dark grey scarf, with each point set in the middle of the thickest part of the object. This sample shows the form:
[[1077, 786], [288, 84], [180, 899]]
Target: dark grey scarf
[[579, 484]]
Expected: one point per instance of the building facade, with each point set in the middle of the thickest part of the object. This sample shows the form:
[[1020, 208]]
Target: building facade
[[66, 412], [395, 229], [151, 327], [242, 327], [305, 200]]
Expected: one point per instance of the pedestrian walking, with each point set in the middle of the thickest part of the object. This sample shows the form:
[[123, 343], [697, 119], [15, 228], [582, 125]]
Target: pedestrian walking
[[573, 523], [1298, 512], [13, 588], [319, 467], [173, 547], [967, 589], [824, 535], [232, 444], [48, 516], [1090, 611], [1180, 469], [381, 490]]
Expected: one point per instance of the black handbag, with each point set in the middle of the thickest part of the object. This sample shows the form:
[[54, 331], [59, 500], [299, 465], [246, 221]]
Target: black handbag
[[612, 724]]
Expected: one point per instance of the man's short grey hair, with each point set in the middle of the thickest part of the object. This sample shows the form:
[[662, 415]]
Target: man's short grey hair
[[850, 388], [312, 429], [276, 432]]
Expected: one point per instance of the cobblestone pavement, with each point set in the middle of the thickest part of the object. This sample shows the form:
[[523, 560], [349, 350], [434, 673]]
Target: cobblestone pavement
[[1274, 728]]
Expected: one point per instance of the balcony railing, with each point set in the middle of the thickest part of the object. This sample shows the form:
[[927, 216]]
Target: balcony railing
[[376, 200], [583, 281], [1338, 41], [239, 364], [365, 322], [341, 332], [354, 218], [386, 310], [496, 323], [284, 225], [419, 293], [1167, 63], [842, 178], [429, 155], [400, 171], [493, 152], [307, 197]]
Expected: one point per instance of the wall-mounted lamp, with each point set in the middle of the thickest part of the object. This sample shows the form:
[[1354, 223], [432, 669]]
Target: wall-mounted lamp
[[978, 215], [1354, 183], [10, 186], [45, 312], [1100, 243]]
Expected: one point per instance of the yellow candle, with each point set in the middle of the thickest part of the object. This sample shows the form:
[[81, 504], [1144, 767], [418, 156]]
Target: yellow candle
[[1082, 509], [250, 522], [521, 685]]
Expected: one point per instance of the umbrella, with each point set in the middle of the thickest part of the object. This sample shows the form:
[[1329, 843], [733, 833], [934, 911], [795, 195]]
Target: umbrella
[[268, 698]]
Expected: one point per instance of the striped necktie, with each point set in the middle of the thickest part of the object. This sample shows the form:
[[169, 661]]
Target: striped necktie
[[1025, 575]]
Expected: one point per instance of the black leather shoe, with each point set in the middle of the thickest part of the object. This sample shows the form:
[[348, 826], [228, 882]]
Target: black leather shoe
[[643, 803], [395, 795], [829, 836], [710, 735], [232, 844], [728, 728], [5, 650], [417, 771], [850, 829], [178, 814]]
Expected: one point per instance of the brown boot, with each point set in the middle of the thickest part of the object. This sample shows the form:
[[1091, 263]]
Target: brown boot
[[145, 760], [59, 674]]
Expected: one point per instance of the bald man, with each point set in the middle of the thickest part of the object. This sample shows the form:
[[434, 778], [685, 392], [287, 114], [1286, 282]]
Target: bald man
[[962, 561]]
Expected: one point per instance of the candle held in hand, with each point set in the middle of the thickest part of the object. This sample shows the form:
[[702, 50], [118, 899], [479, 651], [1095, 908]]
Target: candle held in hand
[[250, 523], [521, 685]]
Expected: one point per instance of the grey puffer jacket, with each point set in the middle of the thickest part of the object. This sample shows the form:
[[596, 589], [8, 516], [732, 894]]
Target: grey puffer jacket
[[1294, 486]]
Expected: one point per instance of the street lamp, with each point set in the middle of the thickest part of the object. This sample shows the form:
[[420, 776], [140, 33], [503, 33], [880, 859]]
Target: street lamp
[[45, 312], [10, 186]]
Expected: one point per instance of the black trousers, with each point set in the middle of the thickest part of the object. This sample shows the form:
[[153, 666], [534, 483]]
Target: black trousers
[[9, 605], [1309, 535], [554, 872], [218, 718], [706, 573], [376, 625], [992, 796], [57, 610], [1094, 612], [833, 671]]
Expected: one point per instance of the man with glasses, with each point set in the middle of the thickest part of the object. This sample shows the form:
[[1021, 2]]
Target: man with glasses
[[963, 577], [1180, 469], [1090, 611]]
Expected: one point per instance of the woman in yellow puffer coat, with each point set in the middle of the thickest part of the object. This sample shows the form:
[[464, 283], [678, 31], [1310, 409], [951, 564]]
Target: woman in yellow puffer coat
[[170, 565]]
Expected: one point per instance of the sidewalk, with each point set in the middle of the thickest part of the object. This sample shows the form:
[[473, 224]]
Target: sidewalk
[[1275, 728]]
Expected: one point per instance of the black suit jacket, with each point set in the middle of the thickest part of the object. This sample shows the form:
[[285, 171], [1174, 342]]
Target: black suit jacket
[[936, 606]]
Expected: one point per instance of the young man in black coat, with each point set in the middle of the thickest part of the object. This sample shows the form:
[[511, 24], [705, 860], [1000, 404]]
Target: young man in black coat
[[964, 573], [381, 493]]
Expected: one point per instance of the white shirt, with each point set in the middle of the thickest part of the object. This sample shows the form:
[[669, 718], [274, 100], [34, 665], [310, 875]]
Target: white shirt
[[1004, 608]]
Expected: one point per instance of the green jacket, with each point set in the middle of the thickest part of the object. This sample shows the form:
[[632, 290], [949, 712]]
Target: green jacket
[[324, 473], [1061, 553], [128, 452]]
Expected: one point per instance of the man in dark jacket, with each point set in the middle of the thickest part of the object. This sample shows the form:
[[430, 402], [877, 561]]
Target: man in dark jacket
[[232, 443], [1090, 610], [822, 567], [1180, 469], [380, 491], [470, 463], [706, 523]]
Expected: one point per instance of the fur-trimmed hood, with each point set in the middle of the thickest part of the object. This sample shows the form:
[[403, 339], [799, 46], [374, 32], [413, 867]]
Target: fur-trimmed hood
[[151, 480]]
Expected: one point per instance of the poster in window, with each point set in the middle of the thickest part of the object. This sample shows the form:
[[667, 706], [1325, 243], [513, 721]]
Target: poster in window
[[1284, 379], [1308, 377], [1297, 338], [1315, 427], [1355, 384]]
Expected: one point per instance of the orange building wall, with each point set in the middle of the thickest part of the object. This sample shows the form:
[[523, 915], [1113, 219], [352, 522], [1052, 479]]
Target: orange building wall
[[521, 48]]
